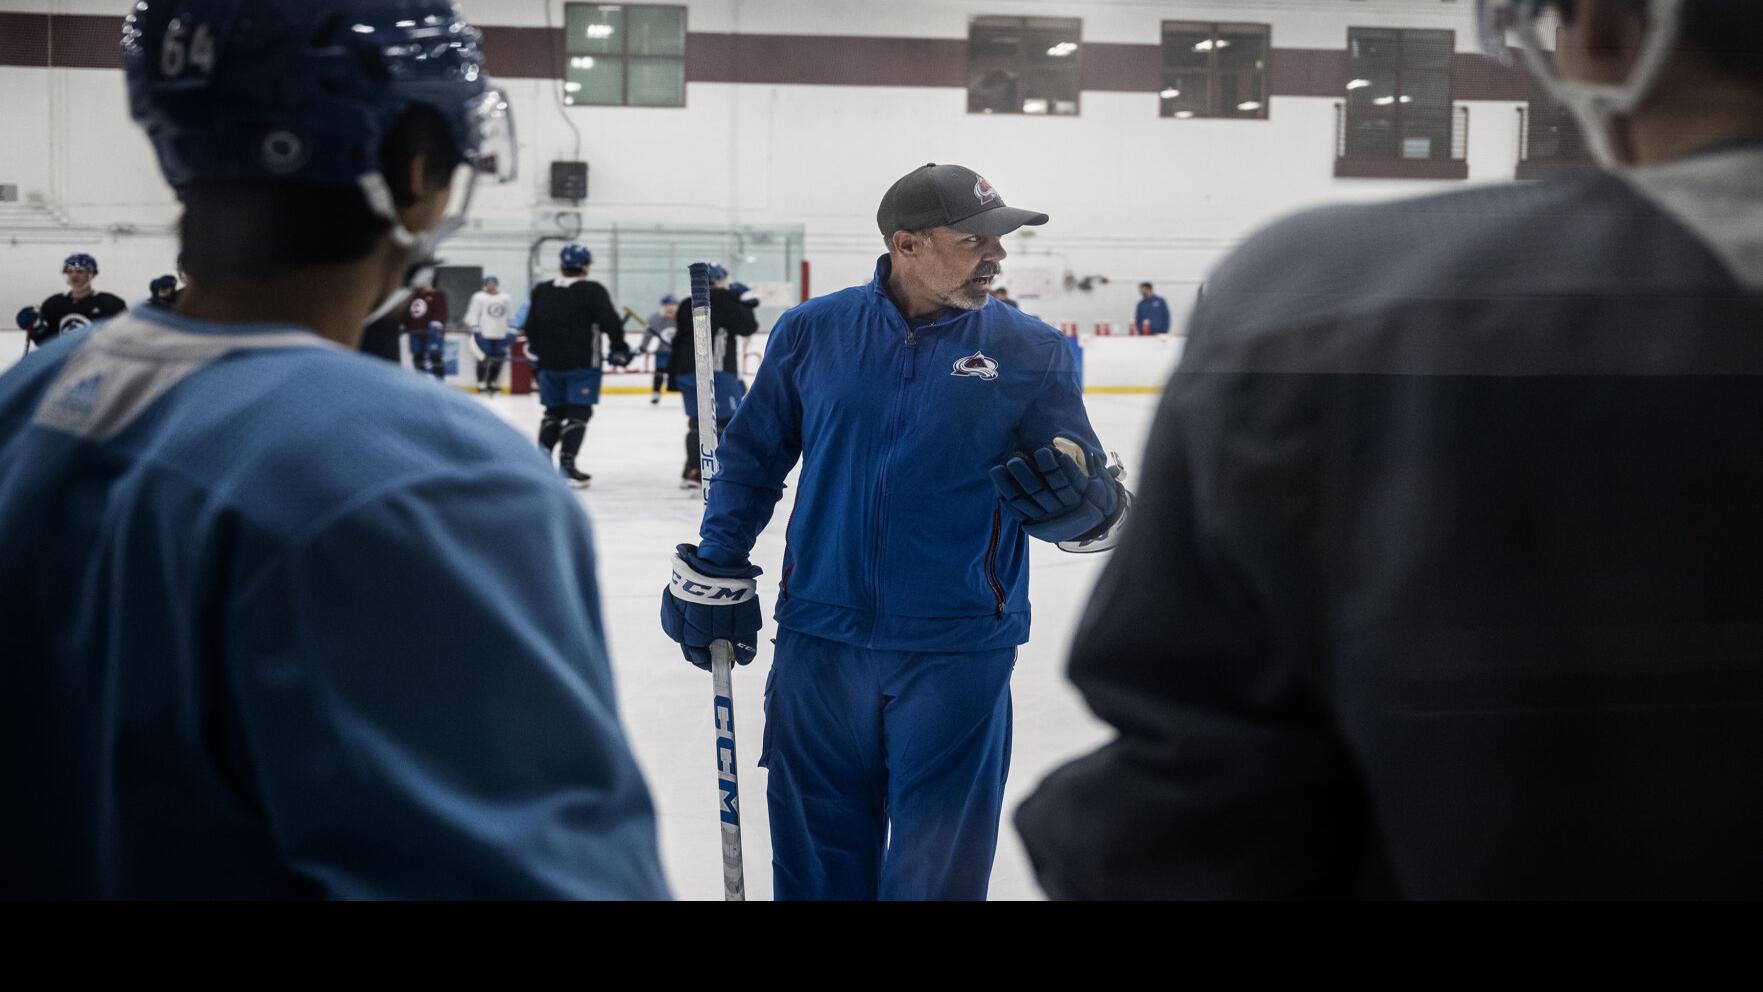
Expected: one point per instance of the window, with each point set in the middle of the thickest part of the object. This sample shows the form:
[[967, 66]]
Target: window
[[1399, 97], [1214, 70], [1023, 65], [1549, 138], [624, 55]]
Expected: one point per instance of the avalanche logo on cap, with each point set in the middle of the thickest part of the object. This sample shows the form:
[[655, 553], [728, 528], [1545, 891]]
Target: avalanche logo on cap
[[984, 191], [976, 365]]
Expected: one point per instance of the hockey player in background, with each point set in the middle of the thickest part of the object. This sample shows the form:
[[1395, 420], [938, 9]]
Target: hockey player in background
[[940, 429], [564, 325], [490, 320], [163, 291], [661, 329], [731, 323], [1444, 579], [225, 673], [425, 320], [81, 306]]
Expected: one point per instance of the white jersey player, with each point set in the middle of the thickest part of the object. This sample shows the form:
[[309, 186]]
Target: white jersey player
[[490, 317]]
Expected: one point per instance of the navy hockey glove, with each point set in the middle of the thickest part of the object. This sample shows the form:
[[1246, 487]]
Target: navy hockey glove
[[1053, 496], [27, 319], [620, 358], [705, 602]]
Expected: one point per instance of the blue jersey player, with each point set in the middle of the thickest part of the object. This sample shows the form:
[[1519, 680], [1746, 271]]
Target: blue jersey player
[[226, 530], [940, 429]]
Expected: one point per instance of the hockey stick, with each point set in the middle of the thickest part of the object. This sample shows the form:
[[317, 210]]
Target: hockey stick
[[734, 886]]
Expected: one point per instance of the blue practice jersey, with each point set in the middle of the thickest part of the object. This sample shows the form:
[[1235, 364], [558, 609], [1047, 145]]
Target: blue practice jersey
[[897, 539], [283, 621]]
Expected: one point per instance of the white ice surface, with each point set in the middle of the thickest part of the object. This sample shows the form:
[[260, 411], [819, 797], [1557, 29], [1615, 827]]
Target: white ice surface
[[634, 450]]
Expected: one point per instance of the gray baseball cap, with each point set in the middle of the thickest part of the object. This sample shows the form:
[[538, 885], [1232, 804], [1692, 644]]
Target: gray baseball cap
[[949, 196]]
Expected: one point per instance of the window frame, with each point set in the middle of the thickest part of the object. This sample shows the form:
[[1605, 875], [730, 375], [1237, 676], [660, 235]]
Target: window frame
[[1213, 73], [624, 57], [1023, 67], [1399, 110]]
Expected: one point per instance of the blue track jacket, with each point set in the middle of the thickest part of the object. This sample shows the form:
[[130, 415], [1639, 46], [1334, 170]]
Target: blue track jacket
[[898, 540]]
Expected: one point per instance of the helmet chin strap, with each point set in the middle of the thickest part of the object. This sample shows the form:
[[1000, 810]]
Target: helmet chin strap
[[420, 269], [1597, 106]]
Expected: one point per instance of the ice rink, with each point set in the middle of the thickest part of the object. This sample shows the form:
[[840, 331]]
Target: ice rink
[[634, 452]]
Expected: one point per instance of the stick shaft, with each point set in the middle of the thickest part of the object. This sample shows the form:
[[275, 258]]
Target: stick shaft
[[734, 886]]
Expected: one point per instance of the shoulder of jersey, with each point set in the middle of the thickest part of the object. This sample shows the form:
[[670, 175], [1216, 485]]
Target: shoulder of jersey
[[833, 304], [1004, 313]]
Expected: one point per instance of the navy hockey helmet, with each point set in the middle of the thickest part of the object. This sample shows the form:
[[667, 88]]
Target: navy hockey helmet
[[307, 91], [304, 90], [492, 281], [80, 261], [670, 300], [575, 257], [163, 284], [716, 272]]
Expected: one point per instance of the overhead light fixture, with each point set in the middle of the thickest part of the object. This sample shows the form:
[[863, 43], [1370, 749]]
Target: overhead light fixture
[[1407, 99], [1034, 106], [1062, 49], [1170, 93], [582, 62], [1358, 84], [1184, 114], [1249, 105], [1209, 45], [572, 87], [599, 30], [1384, 101]]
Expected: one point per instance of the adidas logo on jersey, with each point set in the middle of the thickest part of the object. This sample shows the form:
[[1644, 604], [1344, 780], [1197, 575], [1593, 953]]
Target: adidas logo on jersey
[[977, 366], [81, 398]]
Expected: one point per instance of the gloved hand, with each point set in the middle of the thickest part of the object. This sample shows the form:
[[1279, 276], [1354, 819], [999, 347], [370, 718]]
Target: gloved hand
[[1056, 499], [705, 601], [435, 327], [620, 358], [27, 319]]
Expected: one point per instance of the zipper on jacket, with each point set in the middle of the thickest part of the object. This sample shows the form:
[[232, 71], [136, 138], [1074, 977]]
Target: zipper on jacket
[[881, 486], [992, 564]]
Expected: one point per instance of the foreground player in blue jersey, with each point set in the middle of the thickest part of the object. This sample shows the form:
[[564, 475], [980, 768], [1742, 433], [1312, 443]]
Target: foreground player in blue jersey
[[226, 532], [939, 429]]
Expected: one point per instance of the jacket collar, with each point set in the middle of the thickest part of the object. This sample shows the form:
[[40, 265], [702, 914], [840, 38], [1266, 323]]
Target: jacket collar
[[878, 288]]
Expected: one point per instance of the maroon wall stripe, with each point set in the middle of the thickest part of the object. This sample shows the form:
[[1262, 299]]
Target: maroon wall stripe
[[90, 42], [831, 60], [523, 53], [1308, 72], [1114, 68], [24, 40]]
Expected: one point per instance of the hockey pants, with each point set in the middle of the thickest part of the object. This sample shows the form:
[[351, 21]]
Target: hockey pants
[[886, 769]]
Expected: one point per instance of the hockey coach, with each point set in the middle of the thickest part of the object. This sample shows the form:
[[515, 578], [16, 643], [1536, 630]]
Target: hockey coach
[[939, 430]]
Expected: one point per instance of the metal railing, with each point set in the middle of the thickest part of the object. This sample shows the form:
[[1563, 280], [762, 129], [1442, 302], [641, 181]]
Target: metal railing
[[1459, 133]]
